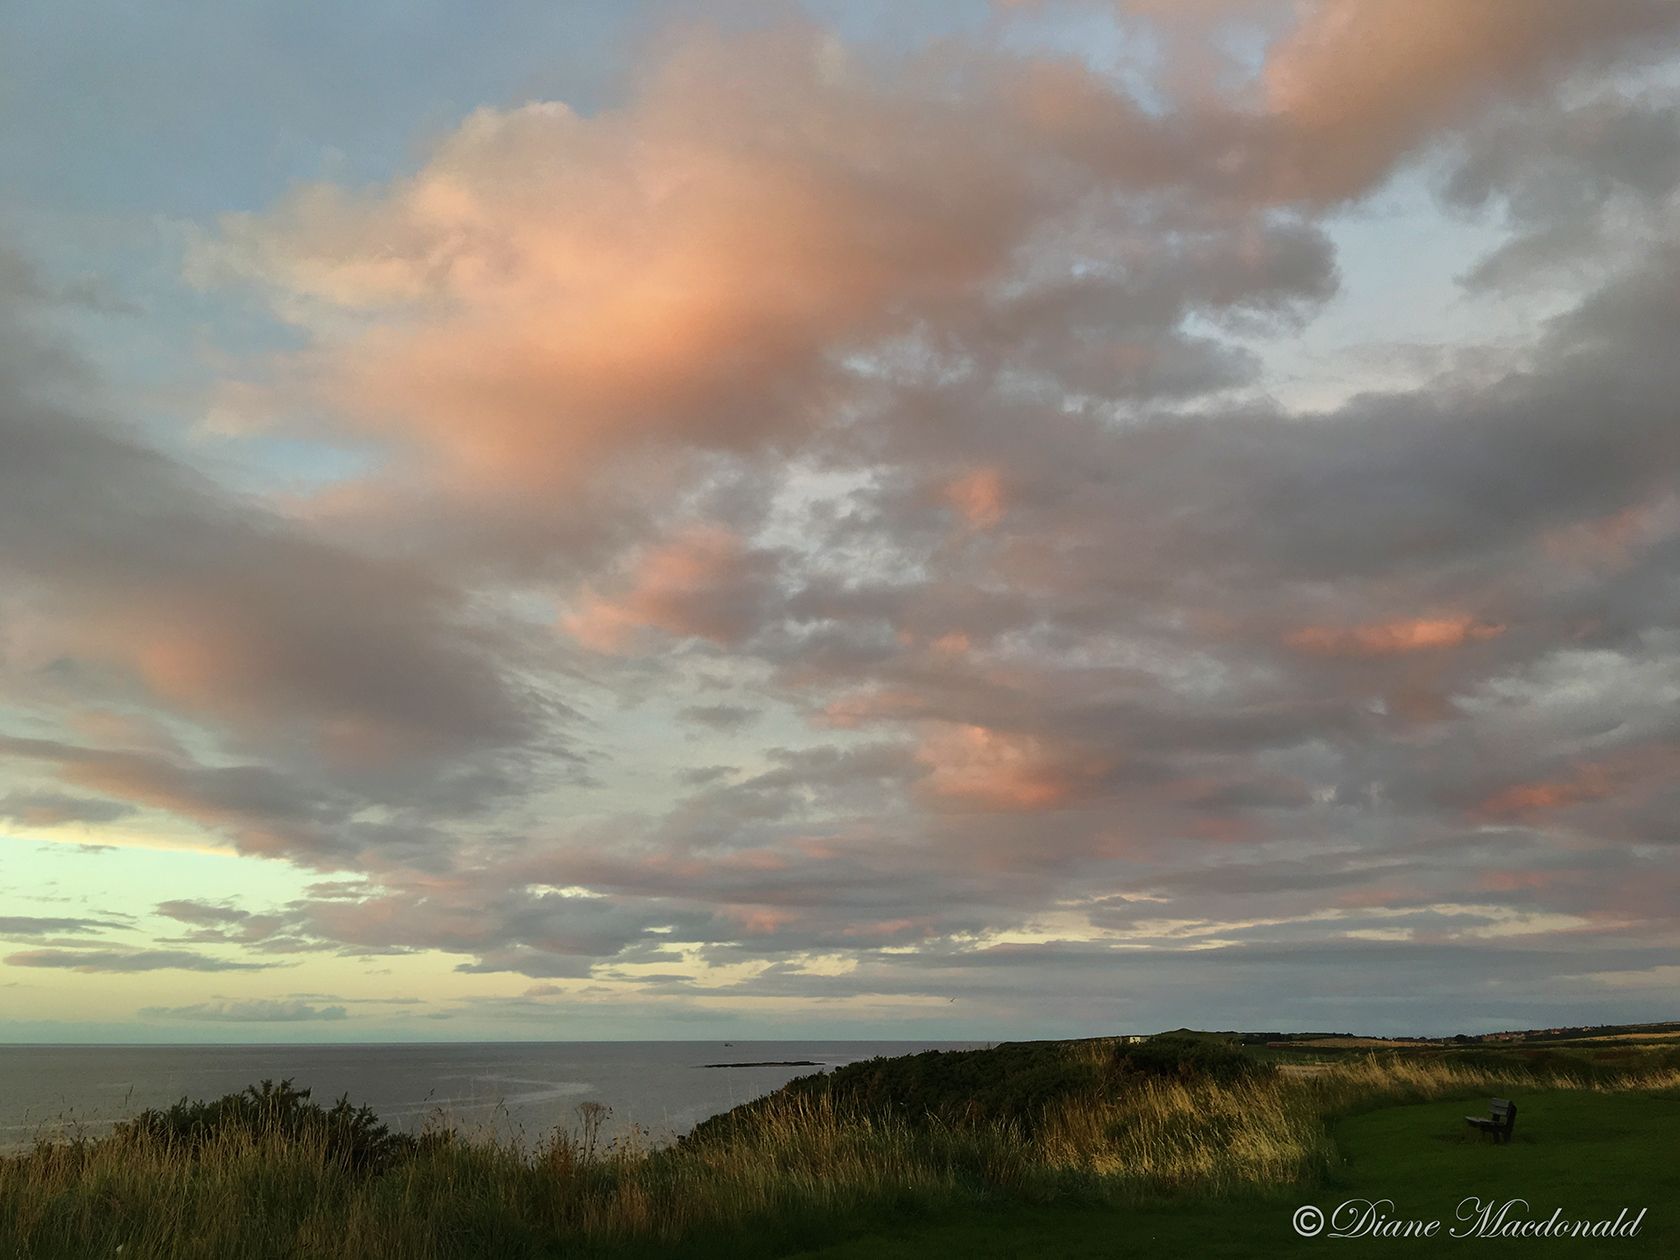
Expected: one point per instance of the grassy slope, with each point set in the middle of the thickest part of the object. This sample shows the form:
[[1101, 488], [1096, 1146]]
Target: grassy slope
[[984, 1153], [1588, 1153]]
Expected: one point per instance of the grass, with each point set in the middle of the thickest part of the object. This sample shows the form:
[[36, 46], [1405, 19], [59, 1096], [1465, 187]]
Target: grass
[[1588, 1152], [1114, 1146]]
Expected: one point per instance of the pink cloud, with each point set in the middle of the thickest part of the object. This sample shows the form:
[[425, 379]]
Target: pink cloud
[[551, 287], [1393, 638], [1357, 85], [1000, 770], [1631, 771], [702, 583], [977, 497]]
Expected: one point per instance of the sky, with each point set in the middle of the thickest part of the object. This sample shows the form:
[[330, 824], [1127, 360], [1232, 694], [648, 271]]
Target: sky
[[723, 520]]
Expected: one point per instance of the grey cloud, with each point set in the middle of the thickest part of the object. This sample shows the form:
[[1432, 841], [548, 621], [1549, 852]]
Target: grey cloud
[[22, 283], [127, 960], [201, 912], [29, 925], [296, 653], [167, 556], [705, 776], [722, 717], [1569, 180], [55, 809], [252, 1011], [1121, 335], [265, 809]]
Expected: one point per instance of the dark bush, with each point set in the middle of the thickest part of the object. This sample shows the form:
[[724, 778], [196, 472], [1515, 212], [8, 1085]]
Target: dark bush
[[351, 1136], [1015, 1083], [1010, 1083], [1186, 1057]]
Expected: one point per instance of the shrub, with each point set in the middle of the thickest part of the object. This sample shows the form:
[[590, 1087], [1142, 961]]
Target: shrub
[[1015, 1085], [1187, 1058], [350, 1136]]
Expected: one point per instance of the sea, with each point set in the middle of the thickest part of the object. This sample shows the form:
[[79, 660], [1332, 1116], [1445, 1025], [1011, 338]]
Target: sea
[[654, 1091]]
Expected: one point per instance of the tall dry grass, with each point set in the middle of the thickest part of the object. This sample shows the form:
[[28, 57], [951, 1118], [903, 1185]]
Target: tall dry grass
[[803, 1165], [1218, 1137]]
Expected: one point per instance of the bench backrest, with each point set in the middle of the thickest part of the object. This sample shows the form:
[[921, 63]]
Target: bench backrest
[[1504, 1110]]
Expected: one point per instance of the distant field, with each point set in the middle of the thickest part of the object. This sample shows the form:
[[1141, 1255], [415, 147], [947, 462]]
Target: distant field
[[1357, 1043], [1639, 1036]]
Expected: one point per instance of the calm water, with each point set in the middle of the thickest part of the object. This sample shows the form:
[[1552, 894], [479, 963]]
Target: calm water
[[516, 1090]]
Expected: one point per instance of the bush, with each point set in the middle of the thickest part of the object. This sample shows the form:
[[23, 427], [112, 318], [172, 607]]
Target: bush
[[1191, 1057], [350, 1136], [1015, 1085]]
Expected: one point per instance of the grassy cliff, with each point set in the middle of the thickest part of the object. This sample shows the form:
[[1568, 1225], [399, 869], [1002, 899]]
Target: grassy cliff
[[876, 1149]]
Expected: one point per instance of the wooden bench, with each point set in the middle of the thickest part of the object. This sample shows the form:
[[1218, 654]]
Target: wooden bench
[[1500, 1120]]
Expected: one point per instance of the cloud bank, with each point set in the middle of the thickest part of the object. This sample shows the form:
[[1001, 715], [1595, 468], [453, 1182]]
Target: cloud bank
[[830, 535]]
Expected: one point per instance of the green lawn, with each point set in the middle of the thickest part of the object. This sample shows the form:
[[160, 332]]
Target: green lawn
[[1588, 1154]]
